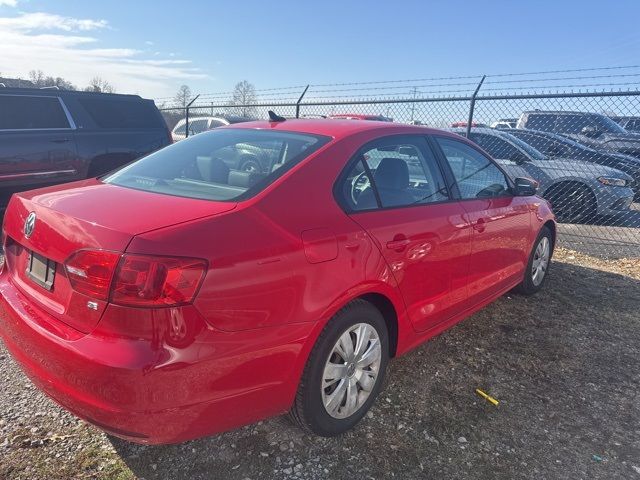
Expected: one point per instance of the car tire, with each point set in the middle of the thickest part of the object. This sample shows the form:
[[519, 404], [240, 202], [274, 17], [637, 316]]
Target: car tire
[[331, 407], [538, 265]]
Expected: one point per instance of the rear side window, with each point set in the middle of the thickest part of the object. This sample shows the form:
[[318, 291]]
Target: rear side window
[[573, 123], [395, 171], [121, 113], [206, 166], [495, 146], [546, 123], [197, 126], [22, 112]]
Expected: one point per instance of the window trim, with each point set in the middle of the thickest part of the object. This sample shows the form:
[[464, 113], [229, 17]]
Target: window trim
[[357, 157], [472, 145], [72, 124]]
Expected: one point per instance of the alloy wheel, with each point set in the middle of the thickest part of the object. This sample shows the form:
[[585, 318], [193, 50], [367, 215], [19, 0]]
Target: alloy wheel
[[540, 261], [351, 370]]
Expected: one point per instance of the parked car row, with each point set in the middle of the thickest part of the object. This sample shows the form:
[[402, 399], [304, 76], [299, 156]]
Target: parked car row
[[578, 190]]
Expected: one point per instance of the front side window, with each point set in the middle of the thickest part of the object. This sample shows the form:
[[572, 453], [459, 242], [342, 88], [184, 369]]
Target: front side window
[[475, 174], [23, 112], [393, 172], [205, 166]]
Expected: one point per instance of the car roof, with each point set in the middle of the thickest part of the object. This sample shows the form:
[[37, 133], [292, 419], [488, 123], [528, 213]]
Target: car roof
[[559, 112], [54, 92], [336, 128]]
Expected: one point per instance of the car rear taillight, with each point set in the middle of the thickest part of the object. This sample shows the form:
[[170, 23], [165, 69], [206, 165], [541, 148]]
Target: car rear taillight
[[149, 281], [135, 280], [90, 272]]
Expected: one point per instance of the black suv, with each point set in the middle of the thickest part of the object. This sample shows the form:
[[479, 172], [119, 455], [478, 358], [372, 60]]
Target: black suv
[[592, 129], [55, 136]]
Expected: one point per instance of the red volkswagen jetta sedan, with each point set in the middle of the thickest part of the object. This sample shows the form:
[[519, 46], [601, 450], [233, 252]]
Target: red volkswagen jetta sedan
[[178, 297]]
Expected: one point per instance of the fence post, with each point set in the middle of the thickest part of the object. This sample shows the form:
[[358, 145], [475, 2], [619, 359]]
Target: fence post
[[186, 116], [299, 100], [472, 106]]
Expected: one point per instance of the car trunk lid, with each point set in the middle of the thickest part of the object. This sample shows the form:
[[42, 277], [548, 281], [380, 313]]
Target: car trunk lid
[[84, 215]]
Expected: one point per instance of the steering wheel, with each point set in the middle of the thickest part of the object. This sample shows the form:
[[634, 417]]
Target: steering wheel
[[358, 185]]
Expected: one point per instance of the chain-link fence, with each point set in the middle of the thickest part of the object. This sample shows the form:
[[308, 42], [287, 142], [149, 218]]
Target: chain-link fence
[[573, 144]]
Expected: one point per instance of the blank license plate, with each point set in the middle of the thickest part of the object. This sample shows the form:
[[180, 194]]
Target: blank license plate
[[41, 270]]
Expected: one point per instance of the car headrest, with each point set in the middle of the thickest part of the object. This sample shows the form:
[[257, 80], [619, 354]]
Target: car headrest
[[244, 179], [392, 173], [212, 169]]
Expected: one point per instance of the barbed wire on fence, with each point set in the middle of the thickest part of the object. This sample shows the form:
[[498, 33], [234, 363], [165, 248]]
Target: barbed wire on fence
[[594, 185]]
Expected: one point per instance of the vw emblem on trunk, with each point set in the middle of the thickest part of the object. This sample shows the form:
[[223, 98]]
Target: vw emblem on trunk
[[29, 224]]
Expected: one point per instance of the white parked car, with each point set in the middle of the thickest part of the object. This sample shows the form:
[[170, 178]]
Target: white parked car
[[202, 124]]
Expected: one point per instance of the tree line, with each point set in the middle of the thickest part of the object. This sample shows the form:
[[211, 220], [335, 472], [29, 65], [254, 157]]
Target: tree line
[[240, 102], [96, 84]]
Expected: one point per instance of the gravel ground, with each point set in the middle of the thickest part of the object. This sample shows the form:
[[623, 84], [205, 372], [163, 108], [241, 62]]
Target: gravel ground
[[565, 366]]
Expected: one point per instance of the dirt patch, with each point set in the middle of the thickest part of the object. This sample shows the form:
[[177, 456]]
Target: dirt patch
[[564, 365]]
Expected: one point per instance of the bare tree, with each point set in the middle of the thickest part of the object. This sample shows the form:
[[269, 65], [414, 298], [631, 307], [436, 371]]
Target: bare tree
[[98, 84], [39, 80], [183, 96], [244, 94]]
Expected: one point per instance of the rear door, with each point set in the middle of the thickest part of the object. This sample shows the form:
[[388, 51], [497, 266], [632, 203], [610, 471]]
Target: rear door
[[394, 189], [500, 221], [37, 143]]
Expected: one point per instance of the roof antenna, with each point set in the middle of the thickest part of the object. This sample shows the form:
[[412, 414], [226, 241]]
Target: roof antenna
[[274, 117]]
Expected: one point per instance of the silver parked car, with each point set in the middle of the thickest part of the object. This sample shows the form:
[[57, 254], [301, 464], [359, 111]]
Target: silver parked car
[[577, 190]]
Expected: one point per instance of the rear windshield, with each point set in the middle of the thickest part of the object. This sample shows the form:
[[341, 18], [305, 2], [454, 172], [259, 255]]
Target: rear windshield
[[122, 113], [223, 164]]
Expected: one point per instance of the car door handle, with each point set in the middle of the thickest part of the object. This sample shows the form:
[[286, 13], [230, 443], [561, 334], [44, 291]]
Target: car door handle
[[480, 225], [60, 140], [398, 243]]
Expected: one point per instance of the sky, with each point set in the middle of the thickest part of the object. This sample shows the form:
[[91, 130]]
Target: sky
[[152, 47]]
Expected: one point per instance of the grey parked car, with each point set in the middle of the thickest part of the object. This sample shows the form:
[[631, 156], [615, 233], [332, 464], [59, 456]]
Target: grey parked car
[[577, 190], [559, 146]]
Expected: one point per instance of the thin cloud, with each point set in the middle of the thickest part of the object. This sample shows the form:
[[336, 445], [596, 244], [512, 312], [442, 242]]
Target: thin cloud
[[60, 46], [8, 3], [28, 22]]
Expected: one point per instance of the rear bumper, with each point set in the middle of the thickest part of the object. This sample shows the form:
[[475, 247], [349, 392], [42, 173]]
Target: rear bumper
[[148, 391]]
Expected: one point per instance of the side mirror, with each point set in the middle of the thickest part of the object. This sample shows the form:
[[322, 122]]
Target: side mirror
[[525, 187], [590, 131]]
